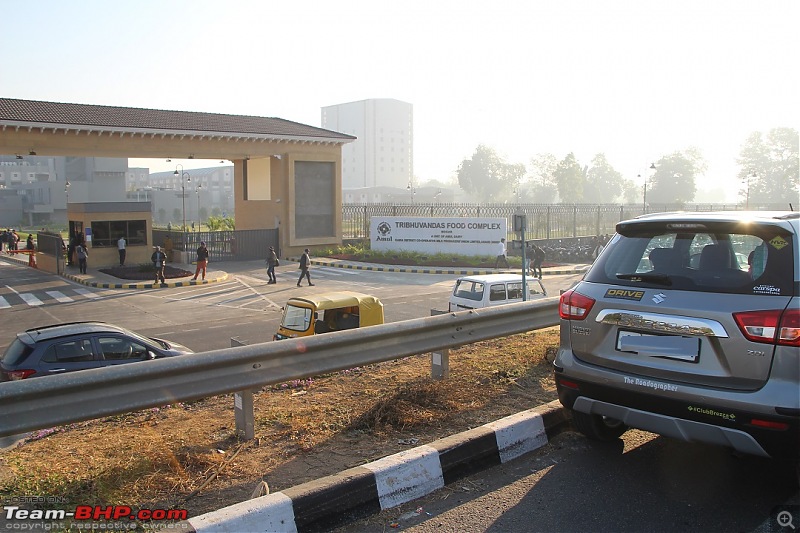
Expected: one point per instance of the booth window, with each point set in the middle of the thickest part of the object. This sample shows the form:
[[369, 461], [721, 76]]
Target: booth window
[[107, 233]]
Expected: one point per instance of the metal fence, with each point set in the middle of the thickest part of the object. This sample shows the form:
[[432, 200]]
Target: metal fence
[[544, 221], [39, 403], [233, 245]]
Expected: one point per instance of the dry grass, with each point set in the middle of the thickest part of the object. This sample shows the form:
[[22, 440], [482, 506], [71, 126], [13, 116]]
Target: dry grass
[[187, 455]]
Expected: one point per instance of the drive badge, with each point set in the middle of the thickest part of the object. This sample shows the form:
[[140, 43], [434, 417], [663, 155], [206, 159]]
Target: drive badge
[[624, 294]]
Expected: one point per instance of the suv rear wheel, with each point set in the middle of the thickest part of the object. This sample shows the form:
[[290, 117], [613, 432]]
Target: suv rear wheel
[[598, 427]]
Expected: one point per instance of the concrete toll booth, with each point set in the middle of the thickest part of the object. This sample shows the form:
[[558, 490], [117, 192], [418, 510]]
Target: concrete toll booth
[[101, 224]]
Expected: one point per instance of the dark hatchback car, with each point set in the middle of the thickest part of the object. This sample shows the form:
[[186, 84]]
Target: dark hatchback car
[[688, 325], [76, 346]]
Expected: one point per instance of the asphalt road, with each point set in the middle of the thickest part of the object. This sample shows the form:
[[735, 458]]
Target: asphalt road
[[206, 317], [641, 483]]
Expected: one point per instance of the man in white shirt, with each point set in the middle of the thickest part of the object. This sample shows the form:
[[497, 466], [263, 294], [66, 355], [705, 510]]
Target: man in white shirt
[[501, 254], [121, 245]]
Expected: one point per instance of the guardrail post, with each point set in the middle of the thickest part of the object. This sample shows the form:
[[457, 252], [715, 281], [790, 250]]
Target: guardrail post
[[440, 360], [243, 406]]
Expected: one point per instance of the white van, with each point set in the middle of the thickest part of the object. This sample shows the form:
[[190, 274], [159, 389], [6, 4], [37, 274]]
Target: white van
[[474, 292]]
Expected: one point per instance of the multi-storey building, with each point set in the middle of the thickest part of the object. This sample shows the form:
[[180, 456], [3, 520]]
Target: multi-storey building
[[383, 154], [43, 186]]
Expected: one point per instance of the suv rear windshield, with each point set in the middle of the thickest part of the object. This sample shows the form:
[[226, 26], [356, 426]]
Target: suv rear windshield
[[736, 258], [16, 352]]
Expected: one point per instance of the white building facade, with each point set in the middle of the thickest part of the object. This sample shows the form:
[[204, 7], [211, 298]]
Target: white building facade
[[383, 154]]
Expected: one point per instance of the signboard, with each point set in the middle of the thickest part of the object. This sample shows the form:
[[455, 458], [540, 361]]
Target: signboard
[[462, 236]]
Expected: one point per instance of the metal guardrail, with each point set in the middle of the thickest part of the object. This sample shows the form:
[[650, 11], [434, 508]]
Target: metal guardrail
[[46, 402]]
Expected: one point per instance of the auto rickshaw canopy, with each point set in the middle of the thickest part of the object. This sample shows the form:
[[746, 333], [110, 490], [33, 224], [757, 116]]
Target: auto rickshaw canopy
[[370, 308]]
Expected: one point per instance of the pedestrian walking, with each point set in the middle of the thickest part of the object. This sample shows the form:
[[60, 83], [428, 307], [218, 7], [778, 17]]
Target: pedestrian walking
[[31, 251], [75, 239], [121, 248], [159, 260], [202, 261], [82, 253], [272, 262], [526, 267], [538, 259], [501, 254], [305, 263]]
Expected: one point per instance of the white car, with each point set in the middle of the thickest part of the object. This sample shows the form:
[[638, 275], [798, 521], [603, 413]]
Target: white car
[[475, 292]]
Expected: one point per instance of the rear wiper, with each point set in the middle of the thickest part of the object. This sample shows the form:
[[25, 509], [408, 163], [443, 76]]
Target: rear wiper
[[660, 279]]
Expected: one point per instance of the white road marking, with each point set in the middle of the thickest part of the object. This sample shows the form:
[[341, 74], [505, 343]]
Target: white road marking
[[4, 303], [30, 299], [87, 293], [60, 296]]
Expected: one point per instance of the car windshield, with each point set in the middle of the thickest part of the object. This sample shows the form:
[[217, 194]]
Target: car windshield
[[733, 259], [471, 290], [296, 318]]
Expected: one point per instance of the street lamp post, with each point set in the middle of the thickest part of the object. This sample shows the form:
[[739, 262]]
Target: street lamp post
[[183, 173], [747, 198], [66, 205], [197, 191], [412, 190], [644, 189]]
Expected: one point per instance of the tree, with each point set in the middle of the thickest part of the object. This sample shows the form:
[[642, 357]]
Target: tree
[[631, 191], [674, 179], [604, 185], [769, 167], [214, 223], [570, 179], [162, 215], [487, 176], [543, 186], [176, 214], [203, 213]]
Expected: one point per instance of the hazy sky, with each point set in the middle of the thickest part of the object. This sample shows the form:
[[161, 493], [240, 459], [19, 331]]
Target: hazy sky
[[632, 79]]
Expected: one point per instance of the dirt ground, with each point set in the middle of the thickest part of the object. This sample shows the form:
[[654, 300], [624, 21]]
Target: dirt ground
[[187, 455]]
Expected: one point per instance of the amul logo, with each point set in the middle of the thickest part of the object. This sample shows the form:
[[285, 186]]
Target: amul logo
[[384, 228]]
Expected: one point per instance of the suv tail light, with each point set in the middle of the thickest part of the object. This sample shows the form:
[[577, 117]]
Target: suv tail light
[[14, 375], [770, 326], [574, 305]]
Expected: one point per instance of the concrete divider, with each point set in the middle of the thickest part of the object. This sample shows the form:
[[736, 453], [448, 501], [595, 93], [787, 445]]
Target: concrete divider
[[390, 481]]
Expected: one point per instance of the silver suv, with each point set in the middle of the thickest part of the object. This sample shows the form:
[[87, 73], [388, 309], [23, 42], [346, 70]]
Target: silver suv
[[688, 325]]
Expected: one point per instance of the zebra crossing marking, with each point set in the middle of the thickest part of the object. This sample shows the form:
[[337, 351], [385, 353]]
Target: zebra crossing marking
[[59, 296], [30, 299], [86, 292]]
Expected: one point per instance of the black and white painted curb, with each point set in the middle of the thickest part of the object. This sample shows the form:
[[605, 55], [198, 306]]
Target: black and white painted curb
[[88, 281], [390, 481], [576, 269]]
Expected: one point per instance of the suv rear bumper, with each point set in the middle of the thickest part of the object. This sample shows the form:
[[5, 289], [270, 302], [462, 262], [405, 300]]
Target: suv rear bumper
[[682, 419], [669, 426]]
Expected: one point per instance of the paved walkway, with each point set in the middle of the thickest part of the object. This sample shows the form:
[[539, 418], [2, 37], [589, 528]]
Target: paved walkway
[[95, 278]]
